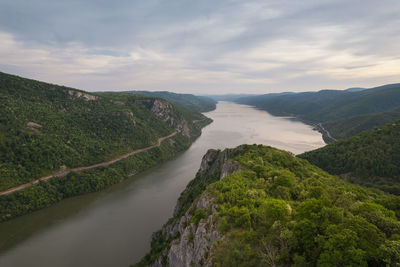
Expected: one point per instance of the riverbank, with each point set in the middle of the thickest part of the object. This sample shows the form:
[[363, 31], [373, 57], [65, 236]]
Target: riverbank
[[113, 227], [328, 138], [51, 189], [65, 172]]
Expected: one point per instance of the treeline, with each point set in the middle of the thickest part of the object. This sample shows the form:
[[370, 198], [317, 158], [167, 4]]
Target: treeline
[[371, 158], [46, 193], [282, 211]]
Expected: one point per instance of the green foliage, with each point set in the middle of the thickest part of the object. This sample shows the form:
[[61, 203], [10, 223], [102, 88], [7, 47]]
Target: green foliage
[[340, 248], [236, 251], [350, 126], [49, 192], [341, 224], [371, 158], [389, 252], [198, 215], [45, 128]]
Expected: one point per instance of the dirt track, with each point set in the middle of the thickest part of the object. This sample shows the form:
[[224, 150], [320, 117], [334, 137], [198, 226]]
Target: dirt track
[[102, 164]]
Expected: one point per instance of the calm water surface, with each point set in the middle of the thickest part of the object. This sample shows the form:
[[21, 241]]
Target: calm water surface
[[114, 227]]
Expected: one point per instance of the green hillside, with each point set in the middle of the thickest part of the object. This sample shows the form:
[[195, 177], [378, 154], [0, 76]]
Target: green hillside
[[274, 209], [371, 158], [351, 126], [45, 128], [197, 103], [337, 110]]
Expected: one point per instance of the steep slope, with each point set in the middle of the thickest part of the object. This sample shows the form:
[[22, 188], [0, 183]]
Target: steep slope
[[46, 129], [193, 102], [351, 126], [333, 108], [371, 158], [259, 206]]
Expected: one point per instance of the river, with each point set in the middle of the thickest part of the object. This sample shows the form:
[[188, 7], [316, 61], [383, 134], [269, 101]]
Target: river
[[113, 227]]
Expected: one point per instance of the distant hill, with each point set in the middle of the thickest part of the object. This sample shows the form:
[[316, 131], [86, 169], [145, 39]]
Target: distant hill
[[46, 128], [355, 89], [197, 103], [371, 158], [335, 108], [350, 126]]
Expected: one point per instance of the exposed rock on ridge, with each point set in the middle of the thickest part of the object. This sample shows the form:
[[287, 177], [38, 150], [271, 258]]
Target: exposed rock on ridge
[[192, 240], [195, 239], [77, 94], [164, 111]]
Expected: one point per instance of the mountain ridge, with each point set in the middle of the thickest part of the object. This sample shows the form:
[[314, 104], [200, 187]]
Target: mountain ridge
[[371, 158], [328, 106], [270, 208], [46, 128], [190, 101]]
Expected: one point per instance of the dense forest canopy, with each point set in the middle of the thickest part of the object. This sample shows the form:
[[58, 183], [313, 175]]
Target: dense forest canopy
[[44, 127], [371, 158], [279, 210]]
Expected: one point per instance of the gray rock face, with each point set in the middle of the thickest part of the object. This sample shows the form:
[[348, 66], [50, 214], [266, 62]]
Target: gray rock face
[[193, 247], [77, 94], [217, 161], [163, 110], [195, 242]]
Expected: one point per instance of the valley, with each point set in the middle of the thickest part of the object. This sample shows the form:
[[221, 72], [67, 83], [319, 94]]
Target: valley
[[114, 226], [200, 133]]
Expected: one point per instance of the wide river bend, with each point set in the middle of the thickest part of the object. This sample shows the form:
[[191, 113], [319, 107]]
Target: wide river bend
[[113, 227]]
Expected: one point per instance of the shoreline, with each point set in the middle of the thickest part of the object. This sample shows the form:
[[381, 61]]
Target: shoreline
[[326, 136], [65, 172]]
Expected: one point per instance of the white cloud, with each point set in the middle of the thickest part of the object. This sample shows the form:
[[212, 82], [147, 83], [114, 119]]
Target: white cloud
[[229, 46]]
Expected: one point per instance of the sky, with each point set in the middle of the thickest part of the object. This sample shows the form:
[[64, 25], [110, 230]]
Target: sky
[[202, 46]]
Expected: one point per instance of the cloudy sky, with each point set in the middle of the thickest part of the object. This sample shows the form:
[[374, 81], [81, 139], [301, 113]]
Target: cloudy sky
[[202, 46]]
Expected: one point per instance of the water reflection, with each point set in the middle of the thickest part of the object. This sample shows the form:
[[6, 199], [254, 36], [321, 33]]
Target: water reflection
[[114, 227]]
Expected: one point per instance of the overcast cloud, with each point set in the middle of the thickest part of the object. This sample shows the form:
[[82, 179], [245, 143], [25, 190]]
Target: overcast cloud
[[202, 46]]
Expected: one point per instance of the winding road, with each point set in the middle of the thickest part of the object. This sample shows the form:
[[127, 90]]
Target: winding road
[[326, 131], [84, 168]]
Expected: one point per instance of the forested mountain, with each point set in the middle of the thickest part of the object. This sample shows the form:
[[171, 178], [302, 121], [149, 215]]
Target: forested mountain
[[197, 103], [46, 128], [371, 158], [259, 206], [336, 110], [351, 126]]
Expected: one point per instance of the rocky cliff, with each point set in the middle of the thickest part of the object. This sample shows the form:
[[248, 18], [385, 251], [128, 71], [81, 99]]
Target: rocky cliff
[[164, 111], [187, 238], [167, 113], [259, 206]]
